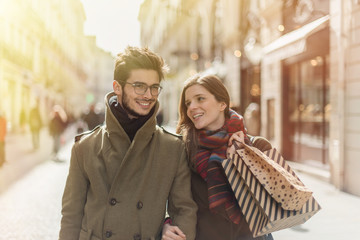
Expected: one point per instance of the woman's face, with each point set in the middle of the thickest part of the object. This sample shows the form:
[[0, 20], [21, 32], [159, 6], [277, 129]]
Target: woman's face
[[203, 109]]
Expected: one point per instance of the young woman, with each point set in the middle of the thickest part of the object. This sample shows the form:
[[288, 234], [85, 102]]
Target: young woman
[[207, 124]]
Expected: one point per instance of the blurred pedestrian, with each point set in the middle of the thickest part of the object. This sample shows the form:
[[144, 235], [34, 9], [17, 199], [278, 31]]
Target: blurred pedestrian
[[57, 125], [252, 119], [160, 118], [92, 118], [123, 173], [2, 138], [35, 124], [22, 121]]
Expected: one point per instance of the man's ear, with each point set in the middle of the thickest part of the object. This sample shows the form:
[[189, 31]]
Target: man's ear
[[117, 87]]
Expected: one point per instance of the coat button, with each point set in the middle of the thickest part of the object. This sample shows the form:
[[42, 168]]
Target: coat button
[[108, 234], [139, 205], [137, 236], [113, 201]]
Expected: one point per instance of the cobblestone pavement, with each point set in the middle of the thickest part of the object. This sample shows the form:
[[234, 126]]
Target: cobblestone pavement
[[30, 208]]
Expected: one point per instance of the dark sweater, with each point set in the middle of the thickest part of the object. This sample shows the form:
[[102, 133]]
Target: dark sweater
[[131, 126]]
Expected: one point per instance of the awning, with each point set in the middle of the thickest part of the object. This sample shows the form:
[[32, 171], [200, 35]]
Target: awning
[[294, 42]]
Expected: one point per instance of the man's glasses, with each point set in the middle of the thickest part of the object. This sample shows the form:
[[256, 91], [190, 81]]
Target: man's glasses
[[141, 88]]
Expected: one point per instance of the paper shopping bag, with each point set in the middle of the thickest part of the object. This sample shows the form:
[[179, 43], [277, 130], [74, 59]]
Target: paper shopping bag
[[263, 214], [282, 184]]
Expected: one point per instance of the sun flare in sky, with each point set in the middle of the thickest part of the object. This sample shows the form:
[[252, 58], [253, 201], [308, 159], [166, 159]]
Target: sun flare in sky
[[113, 22]]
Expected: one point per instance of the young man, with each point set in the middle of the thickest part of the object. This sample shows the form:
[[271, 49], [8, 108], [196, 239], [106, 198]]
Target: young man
[[123, 173]]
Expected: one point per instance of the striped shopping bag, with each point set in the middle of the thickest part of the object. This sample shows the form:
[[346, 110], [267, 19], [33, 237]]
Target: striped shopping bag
[[263, 214]]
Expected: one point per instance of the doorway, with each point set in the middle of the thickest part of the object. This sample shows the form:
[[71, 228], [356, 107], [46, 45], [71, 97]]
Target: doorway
[[306, 111]]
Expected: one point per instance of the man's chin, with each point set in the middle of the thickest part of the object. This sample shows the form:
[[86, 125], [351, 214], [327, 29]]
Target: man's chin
[[138, 112], [143, 113]]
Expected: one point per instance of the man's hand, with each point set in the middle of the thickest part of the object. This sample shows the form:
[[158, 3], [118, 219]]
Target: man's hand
[[172, 233]]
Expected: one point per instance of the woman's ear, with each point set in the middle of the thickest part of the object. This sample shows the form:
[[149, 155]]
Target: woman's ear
[[222, 106]]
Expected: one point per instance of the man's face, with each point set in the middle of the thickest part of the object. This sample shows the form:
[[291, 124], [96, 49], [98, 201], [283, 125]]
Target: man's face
[[135, 104]]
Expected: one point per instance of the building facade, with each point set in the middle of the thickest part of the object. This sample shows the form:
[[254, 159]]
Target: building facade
[[344, 152], [295, 81], [44, 57], [308, 81], [297, 60]]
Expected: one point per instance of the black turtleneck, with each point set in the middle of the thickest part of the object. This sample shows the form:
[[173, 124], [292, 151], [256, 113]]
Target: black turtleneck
[[131, 126]]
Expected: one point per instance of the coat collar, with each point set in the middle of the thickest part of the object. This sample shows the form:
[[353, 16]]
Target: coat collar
[[114, 127]]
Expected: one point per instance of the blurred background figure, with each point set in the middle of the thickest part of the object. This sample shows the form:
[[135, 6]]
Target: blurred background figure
[[93, 117], [160, 118], [22, 121], [252, 119], [57, 125], [35, 124], [2, 138]]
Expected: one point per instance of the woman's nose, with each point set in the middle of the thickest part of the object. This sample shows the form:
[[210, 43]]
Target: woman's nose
[[192, 106]]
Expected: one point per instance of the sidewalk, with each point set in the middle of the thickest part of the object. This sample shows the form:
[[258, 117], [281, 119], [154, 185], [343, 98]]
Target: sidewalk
[[21, 157], [30, 208], [338, 219]]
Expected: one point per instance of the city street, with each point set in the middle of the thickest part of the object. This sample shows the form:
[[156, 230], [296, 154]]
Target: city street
[[290, 68], [30, 207]]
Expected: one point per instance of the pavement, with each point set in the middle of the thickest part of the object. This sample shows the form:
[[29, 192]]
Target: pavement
[[31, 187], [21, 157], [338, 219]]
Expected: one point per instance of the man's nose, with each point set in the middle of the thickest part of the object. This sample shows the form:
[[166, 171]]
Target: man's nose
[[147, 93]]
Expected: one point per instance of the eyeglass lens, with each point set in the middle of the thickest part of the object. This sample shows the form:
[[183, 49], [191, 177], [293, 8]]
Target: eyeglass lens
[[141, 88]]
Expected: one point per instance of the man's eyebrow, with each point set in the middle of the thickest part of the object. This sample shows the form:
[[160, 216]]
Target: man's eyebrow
[[155, 84]]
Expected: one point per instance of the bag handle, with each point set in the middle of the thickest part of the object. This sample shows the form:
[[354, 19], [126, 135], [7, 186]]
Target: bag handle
[[238, 145]]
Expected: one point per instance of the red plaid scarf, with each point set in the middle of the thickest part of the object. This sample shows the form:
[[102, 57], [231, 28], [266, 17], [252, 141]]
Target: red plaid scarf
[[211, 152]]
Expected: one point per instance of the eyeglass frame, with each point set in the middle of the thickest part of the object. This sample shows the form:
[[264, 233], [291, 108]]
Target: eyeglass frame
[[158, 87]]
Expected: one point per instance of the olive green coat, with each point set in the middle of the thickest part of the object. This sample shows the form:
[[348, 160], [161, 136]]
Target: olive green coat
[[117, 189]]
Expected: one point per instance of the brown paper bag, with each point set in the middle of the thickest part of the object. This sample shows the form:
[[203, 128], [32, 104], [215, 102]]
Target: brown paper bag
[[283, 186], [263, 214]]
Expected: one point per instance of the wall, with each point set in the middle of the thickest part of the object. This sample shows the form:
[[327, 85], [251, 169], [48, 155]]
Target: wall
[[345, 95]]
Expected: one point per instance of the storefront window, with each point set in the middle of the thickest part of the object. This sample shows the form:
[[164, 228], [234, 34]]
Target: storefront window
[[308, 110]]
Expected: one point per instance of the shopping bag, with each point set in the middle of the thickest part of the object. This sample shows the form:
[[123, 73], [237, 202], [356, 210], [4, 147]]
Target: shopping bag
[[262, 213], [282, 184]]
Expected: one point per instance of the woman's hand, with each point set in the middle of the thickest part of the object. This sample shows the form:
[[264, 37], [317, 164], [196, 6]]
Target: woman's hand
[[172, 233], [238, 136]]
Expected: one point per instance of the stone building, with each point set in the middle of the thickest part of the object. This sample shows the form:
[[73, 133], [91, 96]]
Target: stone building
[[44, 57]]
